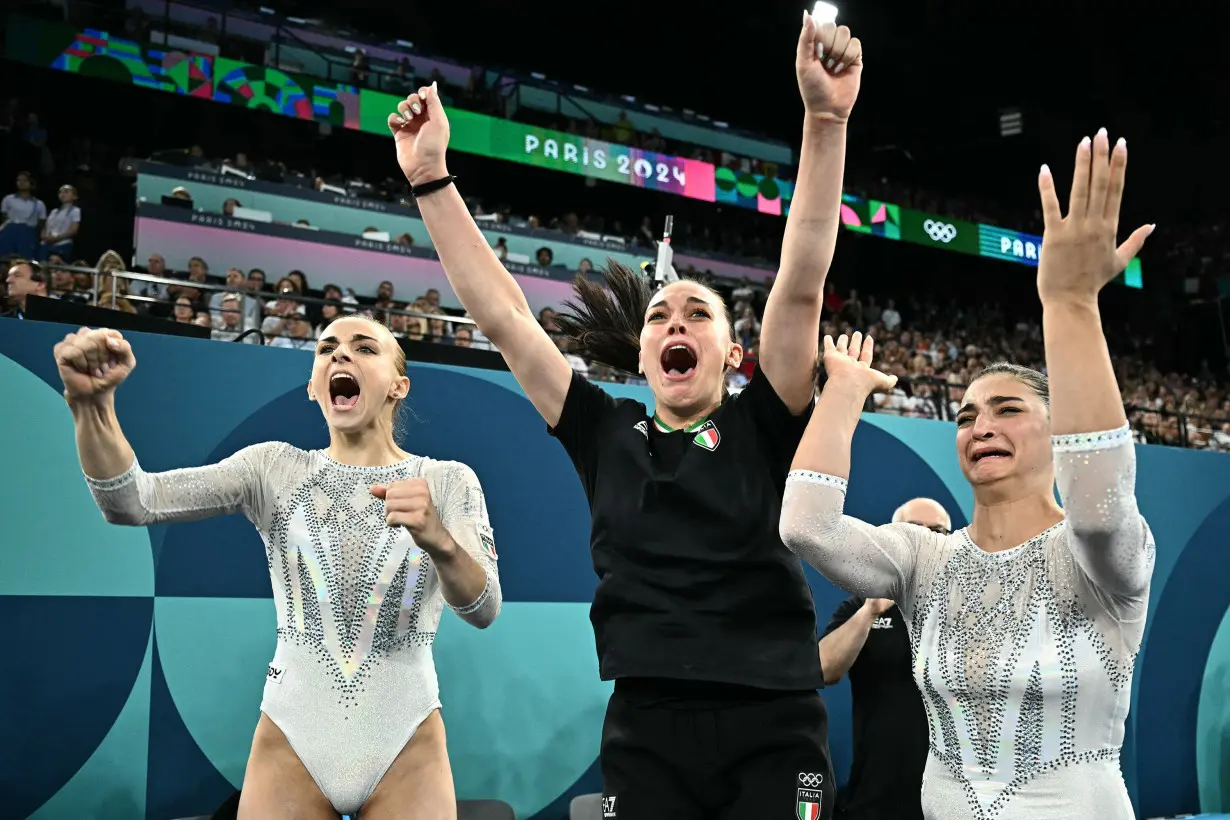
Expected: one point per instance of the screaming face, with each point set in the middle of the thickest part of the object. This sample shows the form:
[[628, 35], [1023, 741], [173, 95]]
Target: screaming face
[[686, 347], [359, 375]]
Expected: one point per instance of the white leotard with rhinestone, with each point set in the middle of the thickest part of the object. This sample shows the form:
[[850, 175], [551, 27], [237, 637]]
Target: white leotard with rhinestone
[[357, 602], [1024, 657]]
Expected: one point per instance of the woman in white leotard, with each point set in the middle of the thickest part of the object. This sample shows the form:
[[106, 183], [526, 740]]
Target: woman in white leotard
[[365, 544], [1024, 626]]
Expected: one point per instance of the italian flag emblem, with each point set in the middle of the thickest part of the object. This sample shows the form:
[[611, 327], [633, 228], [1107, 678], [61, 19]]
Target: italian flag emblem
[[707, 436], [809, 803]]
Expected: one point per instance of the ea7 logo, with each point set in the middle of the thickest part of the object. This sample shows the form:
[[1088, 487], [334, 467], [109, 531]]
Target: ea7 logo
[[608, 806]]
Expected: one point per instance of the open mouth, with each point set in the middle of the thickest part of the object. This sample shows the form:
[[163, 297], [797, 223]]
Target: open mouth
[[678, 361], [992, 455], [343, 391]]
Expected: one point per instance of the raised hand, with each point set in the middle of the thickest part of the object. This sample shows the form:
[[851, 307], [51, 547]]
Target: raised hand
[[420, 130], [1078, 253], [829, 68], [93, 363], [408, 504], [847, 364]]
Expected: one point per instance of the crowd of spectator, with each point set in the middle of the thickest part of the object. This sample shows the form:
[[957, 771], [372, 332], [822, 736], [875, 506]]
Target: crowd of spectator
[[934, 350]]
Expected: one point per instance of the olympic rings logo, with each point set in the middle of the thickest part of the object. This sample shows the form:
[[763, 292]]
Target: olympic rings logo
[[810, 781], [940, 231]]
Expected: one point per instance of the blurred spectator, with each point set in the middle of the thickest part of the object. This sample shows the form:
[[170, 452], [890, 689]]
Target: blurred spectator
[[23, 216]]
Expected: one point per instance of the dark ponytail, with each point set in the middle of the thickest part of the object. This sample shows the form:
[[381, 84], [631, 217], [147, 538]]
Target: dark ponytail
[[605, 321]]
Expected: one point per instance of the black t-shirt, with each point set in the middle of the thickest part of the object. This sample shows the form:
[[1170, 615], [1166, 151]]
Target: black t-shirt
[[694, 582], [890, 724]]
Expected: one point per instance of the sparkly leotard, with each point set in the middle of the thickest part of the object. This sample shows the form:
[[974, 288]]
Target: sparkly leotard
[[357, 602], [1024, 658]]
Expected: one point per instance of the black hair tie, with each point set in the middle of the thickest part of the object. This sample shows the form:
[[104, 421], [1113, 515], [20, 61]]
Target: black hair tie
[[426, 188]]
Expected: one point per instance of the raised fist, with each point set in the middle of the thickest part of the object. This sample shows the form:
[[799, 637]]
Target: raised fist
[[93, 362], [878, 606], [829, 67], [420, 131], [409, 504]]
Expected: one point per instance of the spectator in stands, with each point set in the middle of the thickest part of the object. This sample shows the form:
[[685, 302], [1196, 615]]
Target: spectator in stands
[[657, 620], [256, 280], [890, 318], [501, 248], [384, 291], [156, 265], [359, 69], [61, 226], [298, 336], [464, 337], [228, 207], [185, 311], [279, 311], [198, 272], [545, 257], [24, 279], [63, 287], [585, 267], [23, 215], [328, 313], [229, 320]]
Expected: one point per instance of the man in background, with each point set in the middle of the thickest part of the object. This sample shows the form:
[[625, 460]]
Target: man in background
[[867, 639]]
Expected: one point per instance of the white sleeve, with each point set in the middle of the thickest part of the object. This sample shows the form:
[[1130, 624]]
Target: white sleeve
[[1109, 539], [234, 484], [462, 508], [864, 560]]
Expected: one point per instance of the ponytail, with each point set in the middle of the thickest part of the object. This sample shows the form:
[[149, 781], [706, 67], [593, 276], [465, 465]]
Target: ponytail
[[605, 321]]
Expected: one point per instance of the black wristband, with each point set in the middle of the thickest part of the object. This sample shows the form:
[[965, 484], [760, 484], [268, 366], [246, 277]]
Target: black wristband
[[417, 191]]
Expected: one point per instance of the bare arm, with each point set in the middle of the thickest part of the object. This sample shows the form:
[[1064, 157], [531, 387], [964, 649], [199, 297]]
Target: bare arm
[[101, 446], [839, 649], [787, 350], [485, 287], [792, 316]]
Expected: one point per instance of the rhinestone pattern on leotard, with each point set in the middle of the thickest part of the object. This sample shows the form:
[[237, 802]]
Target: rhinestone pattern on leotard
[[1023, 657], [346, 586]]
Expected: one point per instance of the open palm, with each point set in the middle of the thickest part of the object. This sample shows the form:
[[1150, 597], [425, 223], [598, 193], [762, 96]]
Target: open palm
[[847, 362], [1079, 256], [829, 68]]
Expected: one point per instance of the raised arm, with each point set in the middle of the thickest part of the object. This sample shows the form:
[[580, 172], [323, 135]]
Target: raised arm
[[867, 561], [1095, 462], [829, 67], [92, 364], [485, 287]]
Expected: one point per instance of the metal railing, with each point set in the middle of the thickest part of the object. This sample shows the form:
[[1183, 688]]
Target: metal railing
[[102, 296]]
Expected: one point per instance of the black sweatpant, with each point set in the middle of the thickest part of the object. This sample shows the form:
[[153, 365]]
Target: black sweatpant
[[671, 757]]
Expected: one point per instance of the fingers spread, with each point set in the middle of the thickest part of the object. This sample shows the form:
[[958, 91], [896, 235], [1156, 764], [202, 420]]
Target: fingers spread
[[1078, 200], [829, 346], [843, 342], [865, 354], [1131, 246], [1051, 214], [1099, 173], [1118, 173]]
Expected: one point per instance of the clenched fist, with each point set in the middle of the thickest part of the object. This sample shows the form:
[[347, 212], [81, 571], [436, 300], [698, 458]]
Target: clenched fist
[[93, 363], [408, 504], [877, 606]]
